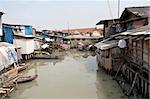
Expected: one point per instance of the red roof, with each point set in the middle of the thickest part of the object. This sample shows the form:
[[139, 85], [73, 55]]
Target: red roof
[[81, 30]]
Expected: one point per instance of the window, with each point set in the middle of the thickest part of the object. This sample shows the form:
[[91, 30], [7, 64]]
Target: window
[[106, 24], [107, 53]]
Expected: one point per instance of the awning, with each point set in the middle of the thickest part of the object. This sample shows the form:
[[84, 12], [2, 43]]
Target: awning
[[5, 44], [107, 44], [24, 36]]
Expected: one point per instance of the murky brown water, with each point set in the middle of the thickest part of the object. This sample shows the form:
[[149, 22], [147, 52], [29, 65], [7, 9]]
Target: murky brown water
[[73, 77]]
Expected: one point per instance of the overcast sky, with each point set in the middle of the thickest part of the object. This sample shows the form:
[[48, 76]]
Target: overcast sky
[[59, 14]]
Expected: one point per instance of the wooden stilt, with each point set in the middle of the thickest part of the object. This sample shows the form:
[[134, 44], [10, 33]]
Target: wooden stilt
[[118, 71], [145, 91], [142, 86], [128, 75], [132, 86], [29, 56], [25, 57], [138, 85]]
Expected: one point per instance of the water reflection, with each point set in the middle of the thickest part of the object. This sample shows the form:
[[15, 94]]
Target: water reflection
[[44, 62], [24, 87], [107, 88], [73, 77]]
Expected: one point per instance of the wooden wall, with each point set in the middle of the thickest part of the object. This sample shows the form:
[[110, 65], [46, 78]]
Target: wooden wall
[[138, 61], [138, 50]]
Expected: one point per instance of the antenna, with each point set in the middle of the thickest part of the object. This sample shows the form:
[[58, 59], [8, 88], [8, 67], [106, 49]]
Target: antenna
[[118, 7]]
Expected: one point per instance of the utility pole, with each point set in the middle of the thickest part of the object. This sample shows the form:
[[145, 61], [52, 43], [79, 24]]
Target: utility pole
[[68, 27], [118, 7]]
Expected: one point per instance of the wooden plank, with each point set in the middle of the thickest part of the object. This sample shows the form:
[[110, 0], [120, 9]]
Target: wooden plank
[[2, 92]]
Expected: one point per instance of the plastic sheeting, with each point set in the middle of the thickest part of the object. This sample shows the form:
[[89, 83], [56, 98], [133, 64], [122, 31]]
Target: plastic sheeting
[[122, 43], [28, 30], [8, 56], [4, 61], [45, 46]]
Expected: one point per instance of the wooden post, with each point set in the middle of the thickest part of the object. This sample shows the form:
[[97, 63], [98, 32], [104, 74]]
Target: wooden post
[[145, 91], [118, 70], [16, 75], [143, 50], [133, 83]]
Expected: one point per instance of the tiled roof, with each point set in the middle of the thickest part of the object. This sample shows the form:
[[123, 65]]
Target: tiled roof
[[81, 30]]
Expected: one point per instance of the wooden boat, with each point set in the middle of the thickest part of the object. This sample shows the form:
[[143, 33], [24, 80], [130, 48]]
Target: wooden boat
[[4, 92], [46, 57], [22, 67], [26, 79]]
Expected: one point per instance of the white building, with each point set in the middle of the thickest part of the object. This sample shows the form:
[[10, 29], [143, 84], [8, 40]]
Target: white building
[[21, 36], [99, 26]]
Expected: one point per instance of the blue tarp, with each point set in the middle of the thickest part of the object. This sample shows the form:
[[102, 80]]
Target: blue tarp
[[28, 30], [47, 36], [8, 34]]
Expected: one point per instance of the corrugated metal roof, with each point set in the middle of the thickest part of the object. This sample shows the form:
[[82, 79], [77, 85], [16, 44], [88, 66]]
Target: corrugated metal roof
[[143, 11], [15, 25], [145, 30], [107, 44], [103, 21]]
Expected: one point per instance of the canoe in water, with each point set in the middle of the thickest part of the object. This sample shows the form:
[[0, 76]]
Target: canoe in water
[[26, 79], [46, 57]]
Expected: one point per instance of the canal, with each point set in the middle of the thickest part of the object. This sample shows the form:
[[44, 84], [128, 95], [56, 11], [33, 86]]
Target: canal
[[74, 76]]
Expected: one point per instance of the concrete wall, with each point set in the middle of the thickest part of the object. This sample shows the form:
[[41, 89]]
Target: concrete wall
[[27, 45]]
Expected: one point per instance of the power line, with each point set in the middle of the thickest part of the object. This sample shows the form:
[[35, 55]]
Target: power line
[[110, 11]]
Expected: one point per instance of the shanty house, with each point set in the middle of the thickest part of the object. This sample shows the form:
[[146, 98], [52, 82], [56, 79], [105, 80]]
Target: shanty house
[[133, 60], [75, 39], [133, 63], [106, 52], [20, 36], [108, 27], [131, 18], [134, 17], [137, 59]]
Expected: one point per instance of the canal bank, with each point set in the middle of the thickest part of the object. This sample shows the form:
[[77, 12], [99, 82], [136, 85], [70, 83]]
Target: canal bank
[[73, 77]]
